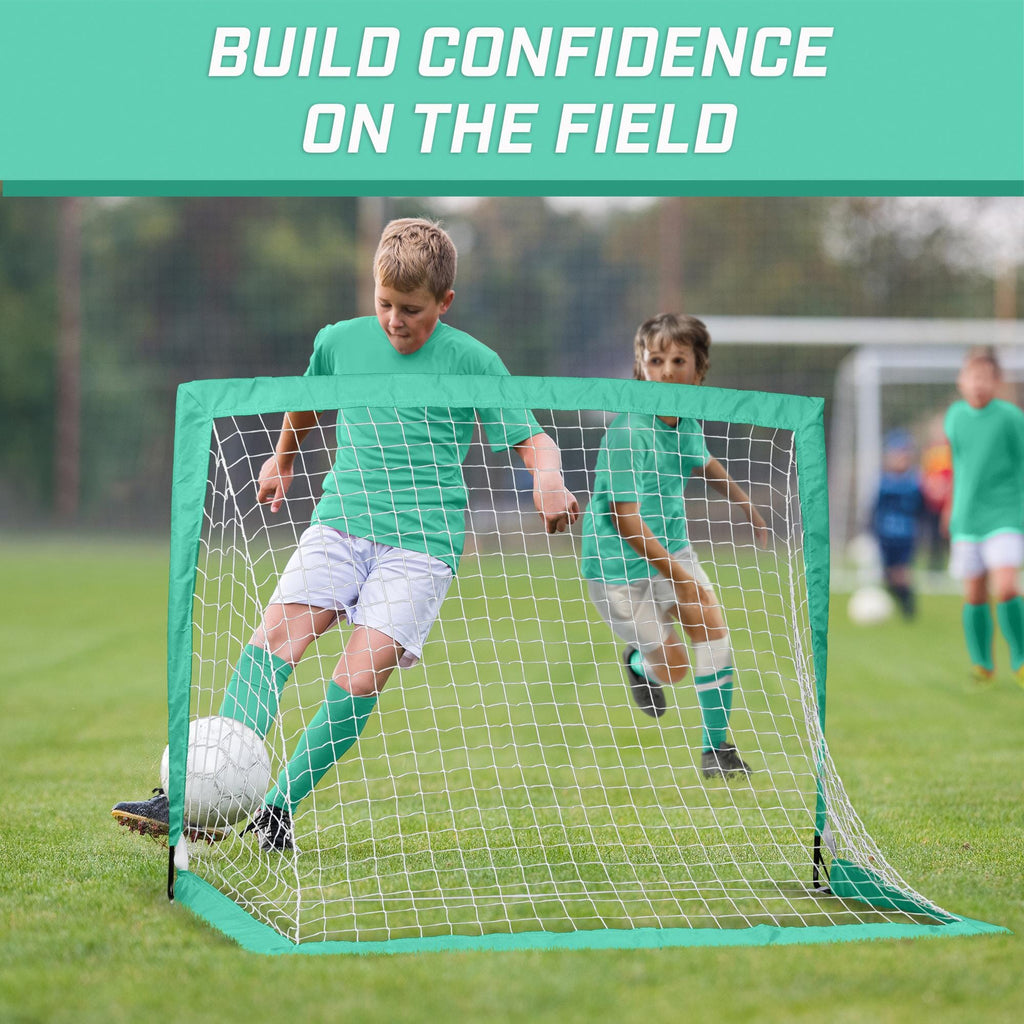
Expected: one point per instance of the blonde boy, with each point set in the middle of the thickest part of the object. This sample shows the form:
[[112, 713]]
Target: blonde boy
[[986, 437], [643, 575], [387, 534]]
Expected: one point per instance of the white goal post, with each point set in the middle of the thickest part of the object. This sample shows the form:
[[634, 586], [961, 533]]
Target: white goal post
[[880, 388], [507, 792], [896, 372]]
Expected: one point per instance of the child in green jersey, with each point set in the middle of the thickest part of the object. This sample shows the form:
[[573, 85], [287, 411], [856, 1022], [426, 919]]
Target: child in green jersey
[[387, 534], [642, 573], [986, 517]]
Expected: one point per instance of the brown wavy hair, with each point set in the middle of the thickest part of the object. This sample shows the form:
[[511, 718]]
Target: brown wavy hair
[[672, 329]]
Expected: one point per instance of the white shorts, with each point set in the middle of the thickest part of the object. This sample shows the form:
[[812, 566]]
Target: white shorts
[[969, 559], [642, 613], [389, 589]]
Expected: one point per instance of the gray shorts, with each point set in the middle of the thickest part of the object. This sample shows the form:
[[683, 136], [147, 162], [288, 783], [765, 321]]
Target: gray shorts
[[395, 591], [642, 612]]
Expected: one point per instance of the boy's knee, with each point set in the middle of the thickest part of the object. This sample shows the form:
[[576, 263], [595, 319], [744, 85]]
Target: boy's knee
[[281, 641], [667, 663], [678, 674]]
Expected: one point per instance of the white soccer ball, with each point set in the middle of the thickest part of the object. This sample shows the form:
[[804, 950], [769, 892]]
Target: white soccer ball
[[227, 773], [869, 606]]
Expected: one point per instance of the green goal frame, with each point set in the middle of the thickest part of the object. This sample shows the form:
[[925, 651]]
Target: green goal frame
[[200, 403]]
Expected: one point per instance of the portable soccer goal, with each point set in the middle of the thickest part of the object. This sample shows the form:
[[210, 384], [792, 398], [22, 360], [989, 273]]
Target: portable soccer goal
[[507, 793]]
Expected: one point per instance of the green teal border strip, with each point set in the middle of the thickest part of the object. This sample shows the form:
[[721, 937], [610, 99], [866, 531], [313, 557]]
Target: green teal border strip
[[249, 396], [812, 485], [216, 909], [520, 187], [193, 429]]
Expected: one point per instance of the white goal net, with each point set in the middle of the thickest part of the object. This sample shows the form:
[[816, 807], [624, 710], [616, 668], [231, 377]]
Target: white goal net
[[507, 787]]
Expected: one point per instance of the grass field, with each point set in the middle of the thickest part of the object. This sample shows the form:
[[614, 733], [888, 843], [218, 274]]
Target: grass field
[[934, 772]]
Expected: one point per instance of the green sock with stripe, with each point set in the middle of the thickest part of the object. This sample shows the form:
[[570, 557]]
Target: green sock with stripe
[[1011, 622], [254, 691], [334, 728], [978, 628], [713, 680]]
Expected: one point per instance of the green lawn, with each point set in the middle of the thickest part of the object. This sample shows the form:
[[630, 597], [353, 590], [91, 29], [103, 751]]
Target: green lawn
[[933, 771]]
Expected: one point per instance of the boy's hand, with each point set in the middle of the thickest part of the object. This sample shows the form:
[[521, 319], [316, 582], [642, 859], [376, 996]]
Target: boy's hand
[[685, 586], [273, 482], [557, 505]]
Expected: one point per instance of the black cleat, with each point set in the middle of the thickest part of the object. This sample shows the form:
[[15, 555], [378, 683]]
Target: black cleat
[[147, 817], [723, 761], [647, 693], [152, 818], [273, 829]]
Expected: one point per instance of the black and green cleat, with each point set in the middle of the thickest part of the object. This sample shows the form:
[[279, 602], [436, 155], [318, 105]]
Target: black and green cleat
[[272, 827], [723, 761], [648, 694]]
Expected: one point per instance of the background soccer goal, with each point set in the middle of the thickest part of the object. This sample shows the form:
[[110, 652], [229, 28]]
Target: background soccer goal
[[508, 793]]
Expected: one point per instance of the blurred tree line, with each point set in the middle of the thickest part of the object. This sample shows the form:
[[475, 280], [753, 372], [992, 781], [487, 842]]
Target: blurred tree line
[[178, 289]]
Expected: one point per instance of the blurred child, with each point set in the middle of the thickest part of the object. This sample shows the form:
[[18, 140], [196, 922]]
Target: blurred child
[[642, 574], [986, 436], [895, 518]]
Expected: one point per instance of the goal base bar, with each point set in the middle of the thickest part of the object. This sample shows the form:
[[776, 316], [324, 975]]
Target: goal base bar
[[228, 917]]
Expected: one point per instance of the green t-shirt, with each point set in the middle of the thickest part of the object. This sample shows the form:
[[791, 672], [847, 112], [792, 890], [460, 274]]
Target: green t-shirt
[[642, 459], [397, 475], [988, 469]]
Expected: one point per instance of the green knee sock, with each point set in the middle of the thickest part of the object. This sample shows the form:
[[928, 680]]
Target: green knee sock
[[334, 728], [713, 679], [977, 619], [1011, 622], [715, 708], [254, 691]]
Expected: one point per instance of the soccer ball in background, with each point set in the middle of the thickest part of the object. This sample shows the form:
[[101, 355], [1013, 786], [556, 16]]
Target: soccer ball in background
[[869, 606], [227, 772]]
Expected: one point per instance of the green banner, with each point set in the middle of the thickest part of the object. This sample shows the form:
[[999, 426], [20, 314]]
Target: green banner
[[653, 97]]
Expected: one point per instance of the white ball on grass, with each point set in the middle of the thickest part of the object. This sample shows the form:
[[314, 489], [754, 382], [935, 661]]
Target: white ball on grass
[[227, 772], [870, 606]]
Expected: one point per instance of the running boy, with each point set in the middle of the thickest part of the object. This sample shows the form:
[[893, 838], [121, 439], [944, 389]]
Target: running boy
[[986, 436], [387, 534], [642, 574]]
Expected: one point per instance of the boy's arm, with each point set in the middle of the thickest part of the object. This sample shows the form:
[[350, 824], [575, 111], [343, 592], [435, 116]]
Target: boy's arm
[[276, 473], [637, 534], [946, 515], [556, 504], [718, 476]]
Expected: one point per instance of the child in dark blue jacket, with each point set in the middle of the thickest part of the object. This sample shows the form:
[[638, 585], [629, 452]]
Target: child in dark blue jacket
[[895, 519]]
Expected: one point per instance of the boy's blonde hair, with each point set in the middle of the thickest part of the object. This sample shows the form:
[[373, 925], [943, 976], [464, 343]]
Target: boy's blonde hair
[[415, 253], [672, 329], [984, 354]]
